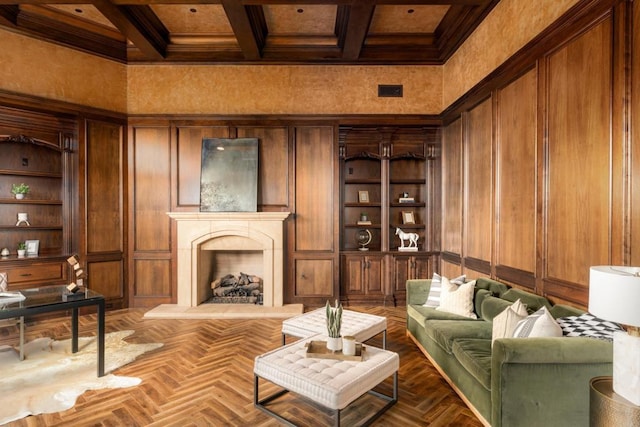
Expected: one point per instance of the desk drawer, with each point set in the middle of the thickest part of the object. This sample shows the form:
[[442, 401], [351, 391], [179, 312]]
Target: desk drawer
[[36, 273]]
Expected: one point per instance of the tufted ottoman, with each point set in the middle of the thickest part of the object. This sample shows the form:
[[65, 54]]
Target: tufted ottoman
[[331, 383], [360, 325]]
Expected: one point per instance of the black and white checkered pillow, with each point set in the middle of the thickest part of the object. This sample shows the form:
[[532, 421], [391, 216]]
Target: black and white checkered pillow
[[587, 325]]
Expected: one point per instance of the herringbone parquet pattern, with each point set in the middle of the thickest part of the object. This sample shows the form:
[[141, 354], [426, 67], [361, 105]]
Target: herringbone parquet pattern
[[203, 376]]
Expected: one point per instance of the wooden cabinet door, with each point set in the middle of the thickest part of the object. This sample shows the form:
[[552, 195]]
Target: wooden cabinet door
[[363, 278], [405, 268], [374, 275], [353, 277]]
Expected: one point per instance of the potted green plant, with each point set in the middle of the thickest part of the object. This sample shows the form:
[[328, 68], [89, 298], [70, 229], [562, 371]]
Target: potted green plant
[[19, 190], [22, 249], [334, 324]]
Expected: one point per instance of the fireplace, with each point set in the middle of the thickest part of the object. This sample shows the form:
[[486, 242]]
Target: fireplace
[[210, 243]]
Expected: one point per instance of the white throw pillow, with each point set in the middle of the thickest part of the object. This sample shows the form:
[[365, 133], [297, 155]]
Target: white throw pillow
[[539, 324], [433, 300], [505, 323], [457, 299]]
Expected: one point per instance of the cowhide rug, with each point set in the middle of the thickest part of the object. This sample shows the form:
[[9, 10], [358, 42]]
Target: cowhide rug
[[51, 378]]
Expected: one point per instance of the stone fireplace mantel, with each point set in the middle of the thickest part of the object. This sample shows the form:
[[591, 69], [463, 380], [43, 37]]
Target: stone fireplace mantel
[[228, 231]]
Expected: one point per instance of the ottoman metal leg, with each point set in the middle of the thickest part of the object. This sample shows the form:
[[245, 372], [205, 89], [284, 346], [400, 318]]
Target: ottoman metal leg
[[260, 403]]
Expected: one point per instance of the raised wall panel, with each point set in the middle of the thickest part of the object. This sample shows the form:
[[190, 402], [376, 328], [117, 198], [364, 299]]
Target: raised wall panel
[[273, 165], [516, 174], [450, 270], [578, 168], [315, 198], [314, 278], [106, 278], [104, 192], [188, 159], [152, 278], [634, 257], [452, 188], [152, 183], [478, 224]]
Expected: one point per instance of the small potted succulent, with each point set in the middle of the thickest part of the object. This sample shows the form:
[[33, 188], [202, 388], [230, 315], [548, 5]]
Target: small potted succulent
[[334, 323], [19, 190], [22, 249]]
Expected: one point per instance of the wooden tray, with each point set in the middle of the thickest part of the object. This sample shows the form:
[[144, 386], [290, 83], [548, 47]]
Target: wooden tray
[[319, 350]]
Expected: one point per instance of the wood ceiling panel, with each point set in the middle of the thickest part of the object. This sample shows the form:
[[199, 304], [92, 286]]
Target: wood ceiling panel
[[193, 19], [301, 19], [85, 11], [252, 31], [407, 19]]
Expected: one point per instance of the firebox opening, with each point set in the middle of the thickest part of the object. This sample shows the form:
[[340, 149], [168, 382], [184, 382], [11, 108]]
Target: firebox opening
[[216, 264]]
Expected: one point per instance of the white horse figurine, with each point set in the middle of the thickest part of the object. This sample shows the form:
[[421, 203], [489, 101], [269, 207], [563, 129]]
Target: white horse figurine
[[411, 237]]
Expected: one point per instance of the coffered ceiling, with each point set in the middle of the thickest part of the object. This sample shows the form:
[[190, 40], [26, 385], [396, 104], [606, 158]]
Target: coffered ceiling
[[252, 31]]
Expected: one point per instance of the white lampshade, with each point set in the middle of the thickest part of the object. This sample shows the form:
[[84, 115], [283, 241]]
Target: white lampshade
[[614, 294]]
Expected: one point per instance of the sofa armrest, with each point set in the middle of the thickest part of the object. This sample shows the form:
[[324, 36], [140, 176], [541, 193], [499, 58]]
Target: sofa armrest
[[417, 291], [545, 381]]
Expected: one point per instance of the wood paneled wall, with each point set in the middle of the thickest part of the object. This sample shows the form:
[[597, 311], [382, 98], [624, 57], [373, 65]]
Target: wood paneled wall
[[546, 164], [296, 174], [102, 191]]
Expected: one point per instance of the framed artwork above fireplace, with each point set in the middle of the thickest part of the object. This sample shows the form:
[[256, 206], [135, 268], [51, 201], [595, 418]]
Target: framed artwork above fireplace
[[229, 175]]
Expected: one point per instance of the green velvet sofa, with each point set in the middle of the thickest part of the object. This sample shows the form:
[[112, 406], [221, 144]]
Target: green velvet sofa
[[518, 381]]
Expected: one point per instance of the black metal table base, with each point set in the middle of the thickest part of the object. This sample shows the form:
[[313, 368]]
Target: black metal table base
[[261, 403], [20, 311]]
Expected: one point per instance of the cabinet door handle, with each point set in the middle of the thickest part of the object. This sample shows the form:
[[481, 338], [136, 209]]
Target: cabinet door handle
[[25, 275]]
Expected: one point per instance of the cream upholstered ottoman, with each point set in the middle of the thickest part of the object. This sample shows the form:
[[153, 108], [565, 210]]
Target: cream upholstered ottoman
[[331, 383], [362, 326]]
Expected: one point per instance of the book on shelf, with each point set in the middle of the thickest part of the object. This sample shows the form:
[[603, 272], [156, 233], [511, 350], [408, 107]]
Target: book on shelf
[[364, 222], [406, 200]]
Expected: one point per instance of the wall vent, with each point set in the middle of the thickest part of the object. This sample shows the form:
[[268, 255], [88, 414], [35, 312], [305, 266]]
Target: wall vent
[[394, 91]]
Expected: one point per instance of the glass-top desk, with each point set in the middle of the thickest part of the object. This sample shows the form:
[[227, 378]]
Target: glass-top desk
[[56, 298]]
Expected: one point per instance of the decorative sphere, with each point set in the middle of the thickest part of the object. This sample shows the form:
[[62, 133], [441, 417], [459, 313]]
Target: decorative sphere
[[363, 237]]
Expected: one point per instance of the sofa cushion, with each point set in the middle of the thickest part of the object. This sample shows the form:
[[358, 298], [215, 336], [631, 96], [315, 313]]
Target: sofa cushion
[[561, 310], [445, 332], [532, 301], [421, 314], [492, 306], [475, 356], [505, 322], [433, 300], [478, 298], [496, 288], [538, 324], [457, 299], [588, 325]]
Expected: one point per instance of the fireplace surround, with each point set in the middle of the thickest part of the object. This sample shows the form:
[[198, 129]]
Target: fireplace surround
[[248, 237]]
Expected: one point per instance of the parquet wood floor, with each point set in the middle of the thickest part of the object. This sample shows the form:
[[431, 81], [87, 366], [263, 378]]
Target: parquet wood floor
[[203, 376]]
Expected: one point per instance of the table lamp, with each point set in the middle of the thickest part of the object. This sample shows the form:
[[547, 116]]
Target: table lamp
[[614, 295]]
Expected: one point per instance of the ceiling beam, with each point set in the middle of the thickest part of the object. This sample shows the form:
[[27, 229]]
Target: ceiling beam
[[360, 15], [245, 32], [140, 25], [9, 15], [260, 2]]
